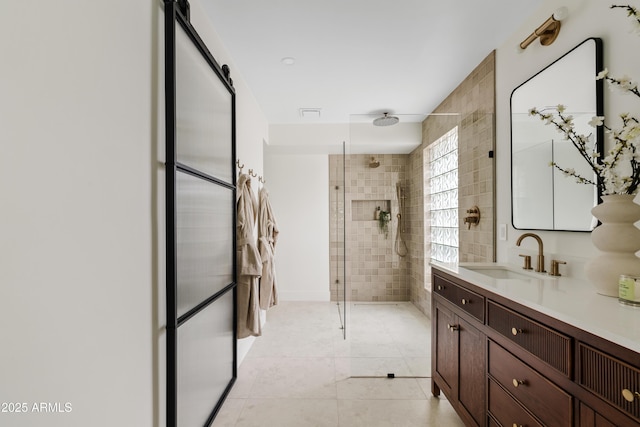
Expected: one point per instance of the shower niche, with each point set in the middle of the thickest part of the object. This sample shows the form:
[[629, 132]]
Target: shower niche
[[368, 210]]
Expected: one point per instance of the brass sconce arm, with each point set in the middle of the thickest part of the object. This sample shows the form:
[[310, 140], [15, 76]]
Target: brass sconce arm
[[548, 31]]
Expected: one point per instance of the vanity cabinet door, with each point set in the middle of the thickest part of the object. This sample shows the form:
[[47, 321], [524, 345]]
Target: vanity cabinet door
[[471, 368], [445, 350], [459, 363]]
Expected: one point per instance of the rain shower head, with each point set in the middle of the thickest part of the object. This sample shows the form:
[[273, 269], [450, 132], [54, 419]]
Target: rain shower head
[[374, 163], [386, 120]]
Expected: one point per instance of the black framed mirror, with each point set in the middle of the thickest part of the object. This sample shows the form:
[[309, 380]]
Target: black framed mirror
[[542, 198]]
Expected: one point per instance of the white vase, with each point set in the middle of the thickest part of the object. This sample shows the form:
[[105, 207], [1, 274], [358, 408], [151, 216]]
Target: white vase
[[618, 239]]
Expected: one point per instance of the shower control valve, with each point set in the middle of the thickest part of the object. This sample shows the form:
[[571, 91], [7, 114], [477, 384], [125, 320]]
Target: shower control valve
[[473, 217]]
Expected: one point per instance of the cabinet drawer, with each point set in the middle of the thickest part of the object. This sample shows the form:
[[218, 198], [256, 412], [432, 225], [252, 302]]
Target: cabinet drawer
[[507, 411], [544, 399], [608, 377], [548, 345], [469, 301]]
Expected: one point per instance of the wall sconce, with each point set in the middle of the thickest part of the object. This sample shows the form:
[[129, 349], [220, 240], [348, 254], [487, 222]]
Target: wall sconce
[[548, 31]]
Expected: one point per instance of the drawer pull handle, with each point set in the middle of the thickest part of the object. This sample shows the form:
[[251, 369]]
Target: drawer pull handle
[[517, 425], [466, 301], [516, 331], [440, 287], [629, 395], [517, 383], [453, 328]]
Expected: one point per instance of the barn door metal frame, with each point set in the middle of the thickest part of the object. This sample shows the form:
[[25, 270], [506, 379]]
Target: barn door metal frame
[[177, 13]]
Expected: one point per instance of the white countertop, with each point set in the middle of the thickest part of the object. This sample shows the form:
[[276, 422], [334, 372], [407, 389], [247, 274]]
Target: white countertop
[[572, 301]]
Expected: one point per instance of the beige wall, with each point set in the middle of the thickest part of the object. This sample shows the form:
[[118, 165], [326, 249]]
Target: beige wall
[[471, 106]]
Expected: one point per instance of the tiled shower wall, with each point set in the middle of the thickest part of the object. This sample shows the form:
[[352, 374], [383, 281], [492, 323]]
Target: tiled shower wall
[[471, 106], [375, 272]]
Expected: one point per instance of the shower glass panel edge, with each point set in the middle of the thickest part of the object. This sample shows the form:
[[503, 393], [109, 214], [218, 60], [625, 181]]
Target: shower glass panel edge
[[340, 241], [338, 285], [344, 242]]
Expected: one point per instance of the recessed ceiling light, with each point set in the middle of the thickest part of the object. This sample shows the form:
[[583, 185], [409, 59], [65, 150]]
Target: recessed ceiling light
[[288, 60]]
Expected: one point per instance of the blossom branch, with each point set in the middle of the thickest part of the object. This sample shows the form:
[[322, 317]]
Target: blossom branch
[[623, 83], [632, 13], [571, 172], [564, 125]]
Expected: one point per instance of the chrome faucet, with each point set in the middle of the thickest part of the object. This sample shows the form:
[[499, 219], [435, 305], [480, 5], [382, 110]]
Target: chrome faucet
[[540, 266]]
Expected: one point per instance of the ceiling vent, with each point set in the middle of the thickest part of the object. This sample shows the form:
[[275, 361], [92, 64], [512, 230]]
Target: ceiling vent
[[310, 113]]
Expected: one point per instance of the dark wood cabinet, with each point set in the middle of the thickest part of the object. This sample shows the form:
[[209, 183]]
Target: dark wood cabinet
[[445, 351], [612, 379], [551, 404], [471, 369], [546, 344], [467, 301], [506, 410], [587, 417], [458, 363], [501, 363]]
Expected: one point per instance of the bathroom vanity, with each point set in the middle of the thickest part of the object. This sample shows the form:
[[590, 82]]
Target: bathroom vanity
[[513, 348]]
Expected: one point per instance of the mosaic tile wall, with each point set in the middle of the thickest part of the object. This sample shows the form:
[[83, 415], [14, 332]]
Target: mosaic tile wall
[[374, 270]]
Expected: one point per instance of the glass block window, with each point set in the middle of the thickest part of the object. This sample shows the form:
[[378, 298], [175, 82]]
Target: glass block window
[[442, 189]]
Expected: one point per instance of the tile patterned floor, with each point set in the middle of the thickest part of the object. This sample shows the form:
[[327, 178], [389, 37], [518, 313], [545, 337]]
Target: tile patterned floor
[[302, 372]]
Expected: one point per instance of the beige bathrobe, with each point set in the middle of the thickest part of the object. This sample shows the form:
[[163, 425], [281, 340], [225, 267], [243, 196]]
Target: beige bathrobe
[[249, 264], [267, 238]]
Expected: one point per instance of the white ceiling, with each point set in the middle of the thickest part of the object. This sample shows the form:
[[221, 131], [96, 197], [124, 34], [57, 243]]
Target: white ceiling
[[359, 57]]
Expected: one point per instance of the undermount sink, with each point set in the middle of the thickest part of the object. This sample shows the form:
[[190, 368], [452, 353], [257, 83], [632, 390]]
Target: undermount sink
[[498, 272]]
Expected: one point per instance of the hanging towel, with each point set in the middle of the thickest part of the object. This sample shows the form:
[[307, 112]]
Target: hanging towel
[[267, 238], [249, 264]]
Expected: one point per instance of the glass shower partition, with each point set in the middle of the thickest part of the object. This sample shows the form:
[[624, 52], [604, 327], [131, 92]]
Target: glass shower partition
[[386, 262], [338, 236]]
